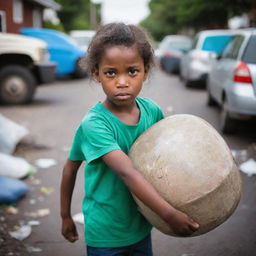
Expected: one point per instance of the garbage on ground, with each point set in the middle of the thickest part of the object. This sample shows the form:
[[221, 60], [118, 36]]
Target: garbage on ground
[[11, 210], [248, 167], [34, 181], [32, 201], [78, 218], [34, 223], [45, 162], [11, 190], [38, 213], [21, 233], [240, 156], [34, 249], [15, 167], [46, 190], [10, 134]]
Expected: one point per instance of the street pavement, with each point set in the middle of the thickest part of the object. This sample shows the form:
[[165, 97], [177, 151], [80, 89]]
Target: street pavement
[[52, 119]]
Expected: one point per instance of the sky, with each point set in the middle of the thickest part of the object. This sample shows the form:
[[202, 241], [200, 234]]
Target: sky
[[131, 11]]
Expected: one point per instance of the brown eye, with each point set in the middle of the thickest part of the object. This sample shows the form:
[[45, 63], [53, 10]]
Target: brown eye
[[133, 72], [110, 73]]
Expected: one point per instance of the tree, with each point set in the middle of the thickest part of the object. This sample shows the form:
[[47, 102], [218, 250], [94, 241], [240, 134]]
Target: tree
[[172, 16], [75, 14]]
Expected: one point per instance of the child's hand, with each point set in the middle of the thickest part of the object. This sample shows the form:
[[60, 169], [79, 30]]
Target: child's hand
[[69, 230], [181, 224]]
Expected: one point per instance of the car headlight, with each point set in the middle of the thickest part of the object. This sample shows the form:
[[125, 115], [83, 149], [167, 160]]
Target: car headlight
[[44, 54]]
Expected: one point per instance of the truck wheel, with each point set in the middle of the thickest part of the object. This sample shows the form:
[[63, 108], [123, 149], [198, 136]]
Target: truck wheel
[[227, 123], [79, 72], [17, 85]]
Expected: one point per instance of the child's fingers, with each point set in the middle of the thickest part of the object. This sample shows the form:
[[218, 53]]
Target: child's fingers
[[194, 226], [73, 238]]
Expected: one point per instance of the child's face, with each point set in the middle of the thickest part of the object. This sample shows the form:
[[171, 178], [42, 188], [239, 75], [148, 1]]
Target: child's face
[[121, 73]]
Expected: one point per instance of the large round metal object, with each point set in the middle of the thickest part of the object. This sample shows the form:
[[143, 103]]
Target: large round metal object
[[191, 167]]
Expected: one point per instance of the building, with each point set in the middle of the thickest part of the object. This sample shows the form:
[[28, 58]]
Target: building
[[15, 14]]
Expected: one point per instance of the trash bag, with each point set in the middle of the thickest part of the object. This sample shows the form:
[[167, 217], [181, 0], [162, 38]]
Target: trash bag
[[10, 134], [11, 190], [15, 167]]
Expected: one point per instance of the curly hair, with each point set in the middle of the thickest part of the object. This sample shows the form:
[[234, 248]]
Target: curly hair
[[116, 34]]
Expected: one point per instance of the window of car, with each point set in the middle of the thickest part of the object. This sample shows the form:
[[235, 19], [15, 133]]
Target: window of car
[[215, 43], [232, 49], [249, 55]]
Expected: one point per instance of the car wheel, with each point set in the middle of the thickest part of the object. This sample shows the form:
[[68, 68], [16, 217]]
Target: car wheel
[[227, 123], [187, 82], [211, 102], [79, 72], [17, 85]]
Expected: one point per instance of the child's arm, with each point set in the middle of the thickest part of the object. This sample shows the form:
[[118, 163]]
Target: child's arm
[[180, 223], [67, 186]]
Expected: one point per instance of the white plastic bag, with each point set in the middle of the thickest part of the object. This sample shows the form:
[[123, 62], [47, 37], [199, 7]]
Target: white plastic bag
[[10, 134], [14, 167]]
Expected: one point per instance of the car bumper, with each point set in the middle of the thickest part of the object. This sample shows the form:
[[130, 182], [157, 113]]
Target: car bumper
[[45, 72], [242, 99]]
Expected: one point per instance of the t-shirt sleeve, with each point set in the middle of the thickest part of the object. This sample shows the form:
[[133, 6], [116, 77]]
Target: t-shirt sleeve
[[155, 110], [76, 153], [98, 139]]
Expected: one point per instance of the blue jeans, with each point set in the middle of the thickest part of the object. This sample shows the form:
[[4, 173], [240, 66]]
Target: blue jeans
[[141, 248]]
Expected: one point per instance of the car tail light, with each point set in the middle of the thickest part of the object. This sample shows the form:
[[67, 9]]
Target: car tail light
[[242, 73], [167, 54]]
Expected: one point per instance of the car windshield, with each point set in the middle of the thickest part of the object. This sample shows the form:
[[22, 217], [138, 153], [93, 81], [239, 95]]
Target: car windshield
[[215, 43], [250, 51]]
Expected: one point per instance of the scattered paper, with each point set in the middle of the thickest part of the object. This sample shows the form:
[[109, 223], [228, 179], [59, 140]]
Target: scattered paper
[[78, 218], [21, 233], [248, 167], [34, 223], [45, 162], [34, 249], [38, 213], [46, 190], [11, 210]]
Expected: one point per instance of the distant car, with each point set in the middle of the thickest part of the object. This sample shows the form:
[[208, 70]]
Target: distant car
[[62, 49], [195, 65], [232, 80], [170, 51], [82, 37]]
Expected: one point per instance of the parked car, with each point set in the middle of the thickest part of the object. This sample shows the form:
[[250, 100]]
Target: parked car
[[62, 50], [232, 80], [24, 64], [195, 65], [170, 51], [82, 37]]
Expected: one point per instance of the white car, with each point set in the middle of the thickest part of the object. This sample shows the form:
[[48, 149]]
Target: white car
[[82, 37], [24, 64], [232, 80], [195, 65]]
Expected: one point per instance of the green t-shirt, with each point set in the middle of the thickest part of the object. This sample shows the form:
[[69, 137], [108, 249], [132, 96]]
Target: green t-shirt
[[111, 216]]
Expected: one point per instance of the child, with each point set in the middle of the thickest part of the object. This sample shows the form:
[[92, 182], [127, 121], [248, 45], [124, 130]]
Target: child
[[119, 57]]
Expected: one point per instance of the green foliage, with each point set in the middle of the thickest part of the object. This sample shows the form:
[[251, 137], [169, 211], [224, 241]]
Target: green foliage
[[171, 16], [74, 14], [59, 27]]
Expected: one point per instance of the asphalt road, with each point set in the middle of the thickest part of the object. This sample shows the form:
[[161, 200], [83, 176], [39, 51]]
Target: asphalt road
[[52, 119]]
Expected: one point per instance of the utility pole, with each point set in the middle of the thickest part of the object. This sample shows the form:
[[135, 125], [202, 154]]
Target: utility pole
[[93, 13]]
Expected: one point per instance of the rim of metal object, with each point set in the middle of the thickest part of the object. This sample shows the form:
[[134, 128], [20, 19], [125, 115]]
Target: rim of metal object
[[14, 87]]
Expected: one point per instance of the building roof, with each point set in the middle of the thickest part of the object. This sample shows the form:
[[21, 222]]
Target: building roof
[[48, 4]]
